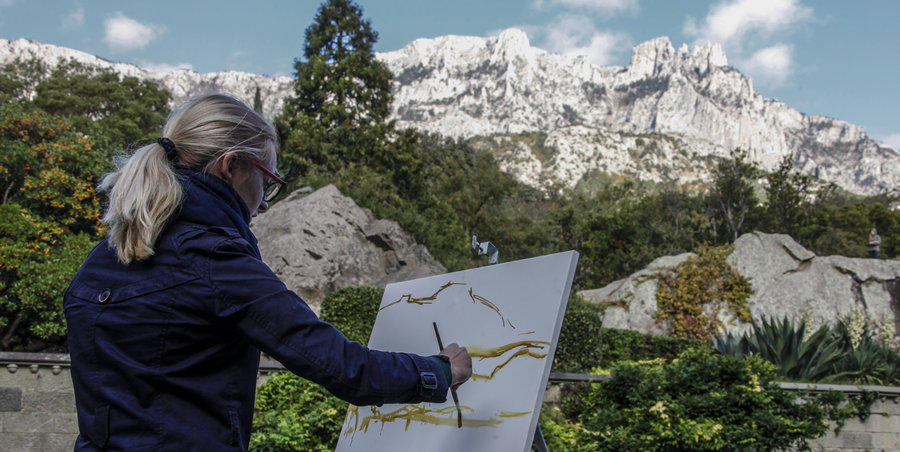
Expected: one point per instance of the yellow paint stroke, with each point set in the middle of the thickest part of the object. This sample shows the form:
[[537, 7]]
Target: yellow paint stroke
[[408, 298], [524, 349], [418, 413], [486, 302], [514, 413], [352, 411], [523, 334]]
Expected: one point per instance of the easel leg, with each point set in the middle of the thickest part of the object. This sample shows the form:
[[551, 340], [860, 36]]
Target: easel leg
[[539, 444]]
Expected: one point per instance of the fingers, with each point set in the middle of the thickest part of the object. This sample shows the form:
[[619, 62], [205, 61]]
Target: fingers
[[460, 364]]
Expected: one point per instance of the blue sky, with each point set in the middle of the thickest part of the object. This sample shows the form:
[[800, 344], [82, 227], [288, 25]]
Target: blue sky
[[834, 58]]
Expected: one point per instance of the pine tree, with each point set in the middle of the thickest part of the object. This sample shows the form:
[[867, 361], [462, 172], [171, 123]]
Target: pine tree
[[257, 101], [337, 116]]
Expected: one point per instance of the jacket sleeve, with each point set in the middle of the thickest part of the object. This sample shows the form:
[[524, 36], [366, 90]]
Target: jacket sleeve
[[279, 323]]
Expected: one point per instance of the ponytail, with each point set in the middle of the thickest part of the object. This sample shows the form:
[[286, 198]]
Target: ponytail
[[143, 195]]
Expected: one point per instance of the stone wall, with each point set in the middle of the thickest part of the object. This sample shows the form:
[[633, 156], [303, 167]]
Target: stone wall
[[37, 404], [880, 432], [37, 408]]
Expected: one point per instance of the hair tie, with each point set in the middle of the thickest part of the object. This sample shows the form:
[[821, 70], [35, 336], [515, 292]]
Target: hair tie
[[169, 146]]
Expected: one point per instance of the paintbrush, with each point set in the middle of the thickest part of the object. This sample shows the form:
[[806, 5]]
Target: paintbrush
[[452, 391]]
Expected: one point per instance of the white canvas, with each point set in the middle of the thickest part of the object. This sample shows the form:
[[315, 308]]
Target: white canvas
[[508, 316]]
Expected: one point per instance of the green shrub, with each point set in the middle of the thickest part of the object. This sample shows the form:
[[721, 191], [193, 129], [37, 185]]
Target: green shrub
[[352, 310], [700, 401], [580, 341], [294, 414], [560, 433], [583, 345], [626, 345]]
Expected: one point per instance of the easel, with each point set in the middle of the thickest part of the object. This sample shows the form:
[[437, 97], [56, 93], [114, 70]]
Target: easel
[[539, 444]]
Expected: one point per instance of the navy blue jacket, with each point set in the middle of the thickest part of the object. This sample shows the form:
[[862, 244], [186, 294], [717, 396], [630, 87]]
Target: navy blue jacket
[[165, 352]]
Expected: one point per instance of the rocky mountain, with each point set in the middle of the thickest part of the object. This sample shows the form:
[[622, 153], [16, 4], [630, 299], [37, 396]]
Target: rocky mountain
[[552, 119], [787, 281], [182, 84], [665, 116]]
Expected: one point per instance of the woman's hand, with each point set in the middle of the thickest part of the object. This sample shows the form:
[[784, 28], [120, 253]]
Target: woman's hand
[[460, 364]]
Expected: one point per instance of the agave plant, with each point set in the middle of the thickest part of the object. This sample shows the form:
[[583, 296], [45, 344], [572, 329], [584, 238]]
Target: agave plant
[[845, 353], [731, 344], [865, 360], [782, 343]]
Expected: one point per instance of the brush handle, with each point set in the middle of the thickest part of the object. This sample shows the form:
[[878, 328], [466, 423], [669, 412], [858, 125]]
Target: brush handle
[[437, 334]]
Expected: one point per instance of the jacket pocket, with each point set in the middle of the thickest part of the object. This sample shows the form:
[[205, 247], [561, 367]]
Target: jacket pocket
[[96, 293], [98, 430]]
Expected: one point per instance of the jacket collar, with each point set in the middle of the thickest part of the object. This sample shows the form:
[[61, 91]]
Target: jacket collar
[[213, 202]]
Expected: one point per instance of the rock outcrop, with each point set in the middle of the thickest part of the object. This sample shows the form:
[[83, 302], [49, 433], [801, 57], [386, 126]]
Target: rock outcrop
[[321, 241], [787, 280]]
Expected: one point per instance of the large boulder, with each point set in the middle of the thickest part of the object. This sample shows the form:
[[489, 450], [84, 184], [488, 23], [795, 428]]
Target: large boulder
[[787, 279], [321, 241]]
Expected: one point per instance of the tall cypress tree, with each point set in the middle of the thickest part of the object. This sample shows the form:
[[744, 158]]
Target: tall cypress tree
[[342, 97]]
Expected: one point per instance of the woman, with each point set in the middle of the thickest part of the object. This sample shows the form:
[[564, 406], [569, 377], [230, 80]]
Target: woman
[[167, 316]]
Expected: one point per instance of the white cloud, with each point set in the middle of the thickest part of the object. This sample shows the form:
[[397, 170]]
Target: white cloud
[[73, 19], [771, 65], [730, 22], [893, 140], [576, 35], [606, 6], [164, 68], [124, 33], [757, 28]]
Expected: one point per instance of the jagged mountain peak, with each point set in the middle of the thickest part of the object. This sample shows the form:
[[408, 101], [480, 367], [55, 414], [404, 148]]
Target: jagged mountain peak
[[649, 58], [668, 115]]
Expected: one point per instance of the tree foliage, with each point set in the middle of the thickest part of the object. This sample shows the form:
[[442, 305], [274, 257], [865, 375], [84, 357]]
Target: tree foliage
[[787, 193], [18, 78], [49, 219], [115, 111], [732, 196]]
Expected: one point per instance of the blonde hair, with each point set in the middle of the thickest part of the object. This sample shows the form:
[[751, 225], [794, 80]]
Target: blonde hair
[[145, 192]]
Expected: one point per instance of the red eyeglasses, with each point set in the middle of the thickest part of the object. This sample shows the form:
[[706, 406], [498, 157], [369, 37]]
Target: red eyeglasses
[[273, 186]]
